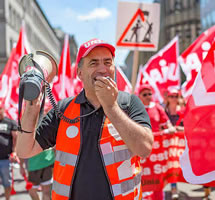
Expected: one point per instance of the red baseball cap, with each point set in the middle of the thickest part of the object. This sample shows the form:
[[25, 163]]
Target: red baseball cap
[[88, 46], [173, 91], [145, 87]]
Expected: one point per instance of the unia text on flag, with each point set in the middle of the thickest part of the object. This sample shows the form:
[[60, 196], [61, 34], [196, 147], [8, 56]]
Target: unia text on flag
[[9, 79], [161, 71], [191, 59], [122, 81], [198, 161]]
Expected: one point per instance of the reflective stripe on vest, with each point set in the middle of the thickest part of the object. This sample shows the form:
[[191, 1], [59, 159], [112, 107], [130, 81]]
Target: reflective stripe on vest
[[122, 168]]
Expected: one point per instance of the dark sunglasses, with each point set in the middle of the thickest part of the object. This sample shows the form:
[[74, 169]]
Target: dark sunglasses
[[147, 94], [173, 96]]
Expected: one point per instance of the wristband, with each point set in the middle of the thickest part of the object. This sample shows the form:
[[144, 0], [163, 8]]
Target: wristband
[[23, 131]]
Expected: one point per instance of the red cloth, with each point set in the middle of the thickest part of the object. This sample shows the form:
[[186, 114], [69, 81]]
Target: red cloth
[[157, 116]]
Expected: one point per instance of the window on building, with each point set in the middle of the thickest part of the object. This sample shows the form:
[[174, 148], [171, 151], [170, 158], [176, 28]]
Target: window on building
[[177, 6], [198, 29], [178, 31], [190, 3], [14, 18], [184, 4], [11, 44], [187, 32], [10, 14], [171, 6]]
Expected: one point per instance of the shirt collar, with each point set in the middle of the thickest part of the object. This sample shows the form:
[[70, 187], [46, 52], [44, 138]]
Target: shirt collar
[[81, 98]]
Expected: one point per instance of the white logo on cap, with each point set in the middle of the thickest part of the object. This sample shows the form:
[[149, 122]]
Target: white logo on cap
[[72, 131], [86, 45]]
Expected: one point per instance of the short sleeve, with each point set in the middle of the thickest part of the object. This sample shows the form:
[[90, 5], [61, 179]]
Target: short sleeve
[[14, 125], [137, 112], [47, 130]]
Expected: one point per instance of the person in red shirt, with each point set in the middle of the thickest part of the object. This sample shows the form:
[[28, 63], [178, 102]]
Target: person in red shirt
[[175, 112], [159, 120], [158, 117]]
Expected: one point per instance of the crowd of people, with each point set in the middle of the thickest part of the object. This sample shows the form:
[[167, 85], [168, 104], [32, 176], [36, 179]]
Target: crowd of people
[[97, 156]]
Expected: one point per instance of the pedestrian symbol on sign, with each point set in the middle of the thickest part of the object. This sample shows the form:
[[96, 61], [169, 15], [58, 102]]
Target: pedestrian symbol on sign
[[139, 27]]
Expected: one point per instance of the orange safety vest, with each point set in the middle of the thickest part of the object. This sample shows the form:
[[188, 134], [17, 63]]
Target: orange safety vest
[[122, 168]]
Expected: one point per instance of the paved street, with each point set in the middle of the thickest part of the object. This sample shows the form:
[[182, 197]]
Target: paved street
[[19, 185], [187, 191]]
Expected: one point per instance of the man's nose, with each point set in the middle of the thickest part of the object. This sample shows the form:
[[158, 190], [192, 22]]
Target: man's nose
[[102, 68]]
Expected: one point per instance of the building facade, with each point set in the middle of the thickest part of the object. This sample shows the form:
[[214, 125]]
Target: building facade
[[207, 12], [40, 34]]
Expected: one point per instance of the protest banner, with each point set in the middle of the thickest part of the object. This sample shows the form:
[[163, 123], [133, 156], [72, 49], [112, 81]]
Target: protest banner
[[162, 165]]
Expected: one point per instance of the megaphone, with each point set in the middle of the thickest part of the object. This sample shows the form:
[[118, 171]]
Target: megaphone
[[34, 70]]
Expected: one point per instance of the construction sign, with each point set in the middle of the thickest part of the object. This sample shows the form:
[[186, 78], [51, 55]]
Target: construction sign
[[138, 26]]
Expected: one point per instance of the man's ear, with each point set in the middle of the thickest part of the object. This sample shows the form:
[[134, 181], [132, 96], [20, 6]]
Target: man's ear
[[79, 73]]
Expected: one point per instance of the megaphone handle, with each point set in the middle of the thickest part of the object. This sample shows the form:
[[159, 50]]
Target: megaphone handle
[[21, 96]]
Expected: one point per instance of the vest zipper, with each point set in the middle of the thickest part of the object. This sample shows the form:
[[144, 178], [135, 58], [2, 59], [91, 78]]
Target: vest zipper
[[76, 164], [101, 155]]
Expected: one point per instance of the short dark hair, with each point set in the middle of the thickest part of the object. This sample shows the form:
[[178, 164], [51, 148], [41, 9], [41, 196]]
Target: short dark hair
[[81, 62]]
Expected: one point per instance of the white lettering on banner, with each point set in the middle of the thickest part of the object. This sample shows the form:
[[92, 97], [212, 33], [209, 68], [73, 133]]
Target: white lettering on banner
[[193, 62], [175, 152], [159, 156], [171, 152], [171, 71], [168, 70], [145, 171], [205, 47], [156, 76], [158, 168], [156, 145], [174, 142], [167, 73]]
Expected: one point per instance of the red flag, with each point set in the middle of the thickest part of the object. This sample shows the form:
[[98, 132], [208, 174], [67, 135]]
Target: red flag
[[62, 87], [76, 82], [198, 161], [162, 70], [9, 79], [67, 83], [123, 83], [191, 59]]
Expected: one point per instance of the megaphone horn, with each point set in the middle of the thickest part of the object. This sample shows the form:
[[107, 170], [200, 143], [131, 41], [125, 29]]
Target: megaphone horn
[[34, 69]]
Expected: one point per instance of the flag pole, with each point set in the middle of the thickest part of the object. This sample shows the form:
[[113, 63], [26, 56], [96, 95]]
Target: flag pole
[[134, 69]]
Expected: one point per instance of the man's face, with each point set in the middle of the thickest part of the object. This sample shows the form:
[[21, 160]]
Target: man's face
[[99, 62], [145, 96]]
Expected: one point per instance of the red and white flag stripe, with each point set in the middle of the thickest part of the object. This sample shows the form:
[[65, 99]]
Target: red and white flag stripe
[[161, 71], [191, 59], [198, 162], [9, 79]]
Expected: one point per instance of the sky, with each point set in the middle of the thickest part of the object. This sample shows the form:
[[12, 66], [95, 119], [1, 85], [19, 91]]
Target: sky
[[86, 19]]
